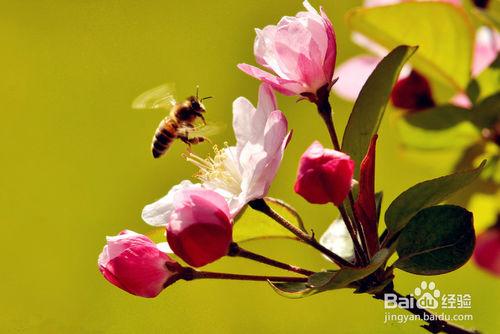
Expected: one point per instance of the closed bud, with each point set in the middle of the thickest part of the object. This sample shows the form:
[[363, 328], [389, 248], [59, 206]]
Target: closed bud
[[200, 229], [487, 251], [412, 93], [133, 263], [324, 175]]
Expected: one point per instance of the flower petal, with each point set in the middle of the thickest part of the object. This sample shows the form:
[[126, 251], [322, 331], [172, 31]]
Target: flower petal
[[353, 75], [486, 49], [337, 239], [284, 86], [158, 213]]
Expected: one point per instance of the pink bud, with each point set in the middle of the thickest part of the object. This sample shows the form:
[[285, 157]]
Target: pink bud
[[324, 175], [133, 263], [487, 251], [412, 93], [300, 50], [200, 229]]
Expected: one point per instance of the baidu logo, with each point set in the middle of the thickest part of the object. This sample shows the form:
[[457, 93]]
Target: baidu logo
[[427, 295]]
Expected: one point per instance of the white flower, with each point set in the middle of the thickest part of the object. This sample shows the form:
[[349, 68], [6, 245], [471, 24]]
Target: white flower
[[243, 172]]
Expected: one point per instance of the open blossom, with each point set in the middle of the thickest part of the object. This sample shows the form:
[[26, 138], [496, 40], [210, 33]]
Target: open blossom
[[133, 263], [354, 72], [243, 172], [300, 50], [324, 175], [199, 230]]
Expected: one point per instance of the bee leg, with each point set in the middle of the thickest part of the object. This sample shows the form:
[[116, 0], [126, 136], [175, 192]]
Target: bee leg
[[200, 115], [186, 141], [197, 140]]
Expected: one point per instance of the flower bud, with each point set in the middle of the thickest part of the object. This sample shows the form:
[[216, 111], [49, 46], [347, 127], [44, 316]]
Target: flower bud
[[133, 263], [412, 93], [483, 4], [200, 229], [487, 251], [324, 175]]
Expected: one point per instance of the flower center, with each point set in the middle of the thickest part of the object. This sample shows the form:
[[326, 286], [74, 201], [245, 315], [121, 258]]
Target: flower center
[[222, 171]]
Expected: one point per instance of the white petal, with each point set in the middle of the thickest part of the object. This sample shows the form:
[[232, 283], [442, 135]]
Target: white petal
[[164, 247], [267, 103], [158, 213], [337, 239]]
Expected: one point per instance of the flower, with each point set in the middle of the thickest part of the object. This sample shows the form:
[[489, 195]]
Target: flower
[[487, 251], [300, 50], [354, 72], [133, 263], [200, 229], [243, 172], [337, 239], [412, 93], [324, 175]]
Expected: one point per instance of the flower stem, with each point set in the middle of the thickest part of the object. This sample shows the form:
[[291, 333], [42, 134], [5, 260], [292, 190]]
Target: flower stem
[[354, 227], [192, 274], [261, 205], [434, 325], [236, 250]]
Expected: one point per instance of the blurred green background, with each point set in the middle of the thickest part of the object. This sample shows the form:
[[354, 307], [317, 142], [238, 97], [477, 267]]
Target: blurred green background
[[76, 166]]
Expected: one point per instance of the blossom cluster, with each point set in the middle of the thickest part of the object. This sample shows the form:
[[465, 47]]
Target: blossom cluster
[[299, 56]]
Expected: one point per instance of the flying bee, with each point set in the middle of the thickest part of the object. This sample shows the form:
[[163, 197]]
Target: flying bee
[[180, 123]]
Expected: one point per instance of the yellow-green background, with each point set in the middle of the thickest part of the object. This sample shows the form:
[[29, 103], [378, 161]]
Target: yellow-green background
[[76, 166]]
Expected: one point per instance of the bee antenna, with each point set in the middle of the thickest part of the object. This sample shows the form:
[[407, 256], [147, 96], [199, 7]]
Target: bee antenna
[[206, 98], [197, 91]]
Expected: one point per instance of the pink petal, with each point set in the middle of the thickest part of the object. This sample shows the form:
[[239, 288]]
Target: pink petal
[[331, 51], [353, 75], [285, 87], [486, 49], [461, 100], [267, 101]]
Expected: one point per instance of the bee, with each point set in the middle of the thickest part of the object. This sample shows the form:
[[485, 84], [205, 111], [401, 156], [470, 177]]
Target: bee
[[180, 123]]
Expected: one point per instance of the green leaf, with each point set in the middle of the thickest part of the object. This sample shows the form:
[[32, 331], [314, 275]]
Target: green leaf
[[292, 290], [441, 30], [371, 103], [425, 194], [329, 280], [437, 240], [254, 225], [473, 91], [442, 127], [487, 112], [438, 118], [457, 136]]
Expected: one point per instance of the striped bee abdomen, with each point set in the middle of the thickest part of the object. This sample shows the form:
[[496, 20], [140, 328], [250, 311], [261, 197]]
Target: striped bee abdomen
[[164, 136]]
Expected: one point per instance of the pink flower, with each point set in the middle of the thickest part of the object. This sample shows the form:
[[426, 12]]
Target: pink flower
[[300, 50], [200, 229], [487, 251], [133, 263], [243, 172], [324, 175]]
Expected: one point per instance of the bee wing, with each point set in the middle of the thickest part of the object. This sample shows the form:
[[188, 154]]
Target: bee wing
[[161, 97], [208, 130]]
